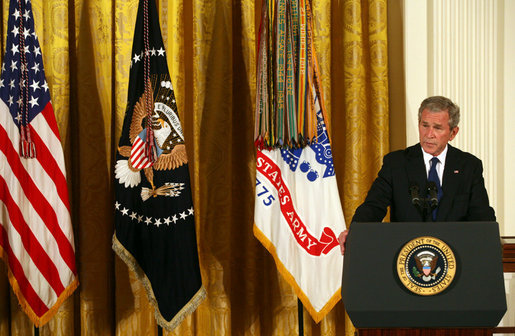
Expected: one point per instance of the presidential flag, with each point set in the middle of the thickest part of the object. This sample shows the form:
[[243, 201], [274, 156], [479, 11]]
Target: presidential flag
[[298, 214], [36, 235], [154, 215]]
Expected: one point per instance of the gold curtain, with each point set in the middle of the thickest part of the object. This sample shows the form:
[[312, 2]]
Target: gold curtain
[[211, 49]]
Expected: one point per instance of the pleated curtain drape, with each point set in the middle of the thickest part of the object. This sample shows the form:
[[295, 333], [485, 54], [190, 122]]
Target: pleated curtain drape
[[211, 51]]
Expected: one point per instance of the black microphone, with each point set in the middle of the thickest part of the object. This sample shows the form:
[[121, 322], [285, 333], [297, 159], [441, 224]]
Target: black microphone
[[433, 194], [415, 198]]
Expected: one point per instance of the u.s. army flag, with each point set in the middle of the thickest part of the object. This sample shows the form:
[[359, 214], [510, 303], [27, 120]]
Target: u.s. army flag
[[297, 214]]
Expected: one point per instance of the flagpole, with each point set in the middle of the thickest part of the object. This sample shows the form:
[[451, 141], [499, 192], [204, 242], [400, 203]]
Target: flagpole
[[159, 330], [36, 331], [301, 317]]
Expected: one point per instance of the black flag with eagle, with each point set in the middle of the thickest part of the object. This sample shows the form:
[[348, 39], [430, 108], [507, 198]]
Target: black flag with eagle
[[154, 216]]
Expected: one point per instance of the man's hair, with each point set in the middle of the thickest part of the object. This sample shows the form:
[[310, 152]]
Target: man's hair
[[438, 104]]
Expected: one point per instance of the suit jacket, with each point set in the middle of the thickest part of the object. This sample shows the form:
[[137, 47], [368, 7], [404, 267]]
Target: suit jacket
[[464, 194]]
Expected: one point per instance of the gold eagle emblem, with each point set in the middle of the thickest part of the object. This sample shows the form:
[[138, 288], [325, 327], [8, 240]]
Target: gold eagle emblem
[[168, 137]]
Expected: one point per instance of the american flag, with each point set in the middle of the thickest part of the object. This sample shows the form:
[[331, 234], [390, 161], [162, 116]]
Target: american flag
[[36, 236]]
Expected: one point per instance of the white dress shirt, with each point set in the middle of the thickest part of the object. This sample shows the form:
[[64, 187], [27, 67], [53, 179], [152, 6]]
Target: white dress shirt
[[439, 166]]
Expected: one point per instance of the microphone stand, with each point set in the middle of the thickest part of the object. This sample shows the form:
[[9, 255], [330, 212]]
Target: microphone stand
[[425, 206]]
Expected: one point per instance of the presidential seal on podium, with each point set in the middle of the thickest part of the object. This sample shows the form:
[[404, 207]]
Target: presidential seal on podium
[[426, 265]]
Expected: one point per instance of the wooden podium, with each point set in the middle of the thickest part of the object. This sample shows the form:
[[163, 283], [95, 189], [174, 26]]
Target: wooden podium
[[381, 302], [508, 263]]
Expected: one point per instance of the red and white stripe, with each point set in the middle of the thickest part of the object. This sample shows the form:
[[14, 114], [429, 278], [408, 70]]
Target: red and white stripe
[[36, 235], [138, 158]]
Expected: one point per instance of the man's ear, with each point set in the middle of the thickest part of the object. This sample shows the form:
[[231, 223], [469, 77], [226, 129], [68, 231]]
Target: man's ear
[[454, 131]]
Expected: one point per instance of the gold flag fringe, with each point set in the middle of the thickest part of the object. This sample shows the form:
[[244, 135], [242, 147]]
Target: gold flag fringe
[[45, 318], [133, 265], [290, 279]]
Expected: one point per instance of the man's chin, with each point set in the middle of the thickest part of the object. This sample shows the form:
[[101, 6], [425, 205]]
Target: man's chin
[[429, 148]]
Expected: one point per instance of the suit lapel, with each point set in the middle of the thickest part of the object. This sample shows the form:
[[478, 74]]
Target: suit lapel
[[449, 183], [416, 169]]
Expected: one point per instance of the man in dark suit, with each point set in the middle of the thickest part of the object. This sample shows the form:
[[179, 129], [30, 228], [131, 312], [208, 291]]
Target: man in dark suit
[[432, 169]]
